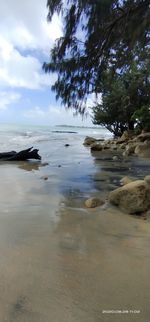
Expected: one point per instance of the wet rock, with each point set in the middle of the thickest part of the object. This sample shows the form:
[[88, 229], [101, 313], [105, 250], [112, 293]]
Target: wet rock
[[44, 164], [125, 180], [143, 136], [113, 147], [115, 158], [96, 147], [132, 198], [143, 149], [123, 145], [147, 213], [130, 148], [147, 179], [125, 154], [89, 141], [125, 137], [106, 147], [94, 202]]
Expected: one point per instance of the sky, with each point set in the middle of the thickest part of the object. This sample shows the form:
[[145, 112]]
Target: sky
[[25, 90]]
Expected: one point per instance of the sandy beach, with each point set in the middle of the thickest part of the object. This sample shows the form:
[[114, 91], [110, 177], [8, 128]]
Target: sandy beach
[[60, 261]]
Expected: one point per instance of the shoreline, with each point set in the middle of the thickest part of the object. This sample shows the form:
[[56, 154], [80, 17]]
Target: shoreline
[[55, 252]]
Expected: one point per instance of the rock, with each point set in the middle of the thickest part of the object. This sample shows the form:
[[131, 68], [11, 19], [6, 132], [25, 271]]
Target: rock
[[113, 147], [96, 147], [44, 164], [44, 177], [143, 149], [125, 154], [130, 148], [125, 180], [115, 158], [93, 202], [133, 197], [89, 141], [143, 136], [125, 137], [147, 179], [123, 145], [66, 145], [147, 213]]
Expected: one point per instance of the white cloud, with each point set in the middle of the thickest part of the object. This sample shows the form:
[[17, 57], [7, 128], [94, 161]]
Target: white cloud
[[93, 99], [23, 23], [7, 98], [17, 70], [24, 28], [54, 115]]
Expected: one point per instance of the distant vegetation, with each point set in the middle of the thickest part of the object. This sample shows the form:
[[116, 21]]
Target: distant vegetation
[[105, 49]]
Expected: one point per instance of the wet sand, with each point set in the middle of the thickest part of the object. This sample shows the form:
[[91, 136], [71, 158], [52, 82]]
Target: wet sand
[[61, 262]]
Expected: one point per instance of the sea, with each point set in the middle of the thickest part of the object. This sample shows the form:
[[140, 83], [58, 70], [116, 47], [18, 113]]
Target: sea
[[61, 261], [19, 136]]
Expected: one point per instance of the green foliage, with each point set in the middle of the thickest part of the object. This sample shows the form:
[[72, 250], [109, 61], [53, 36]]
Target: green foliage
[[97, 35], [125, 100], [142, 118]]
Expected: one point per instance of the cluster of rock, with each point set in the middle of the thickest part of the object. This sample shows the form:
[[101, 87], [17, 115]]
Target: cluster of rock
[[127, 144], [133, 197]]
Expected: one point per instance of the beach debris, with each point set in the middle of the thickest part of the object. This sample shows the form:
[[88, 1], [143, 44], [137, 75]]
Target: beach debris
[[21, 155], [94, 202]]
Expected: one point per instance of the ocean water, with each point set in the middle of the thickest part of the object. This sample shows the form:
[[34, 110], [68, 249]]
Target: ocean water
[[61, 262], [20, 136]]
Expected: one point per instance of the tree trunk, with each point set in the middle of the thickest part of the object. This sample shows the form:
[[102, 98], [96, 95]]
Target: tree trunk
[[131, 125], [20, 156]]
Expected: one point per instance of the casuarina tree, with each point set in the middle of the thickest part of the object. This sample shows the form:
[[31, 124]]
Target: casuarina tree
[[97, 35]]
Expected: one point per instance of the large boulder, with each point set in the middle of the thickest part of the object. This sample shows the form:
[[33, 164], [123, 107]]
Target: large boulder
[[89, 141], [133, 197], [143, 149]]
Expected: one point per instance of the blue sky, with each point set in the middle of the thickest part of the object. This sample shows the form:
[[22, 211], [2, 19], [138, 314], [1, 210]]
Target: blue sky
[[25, 42]]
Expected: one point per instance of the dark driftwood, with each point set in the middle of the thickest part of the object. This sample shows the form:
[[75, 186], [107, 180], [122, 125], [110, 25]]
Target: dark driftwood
[[20, 156]]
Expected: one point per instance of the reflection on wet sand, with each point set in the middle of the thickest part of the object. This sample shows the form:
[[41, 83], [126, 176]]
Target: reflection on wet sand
[[72, 270], [65, 263], [30, 165]]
